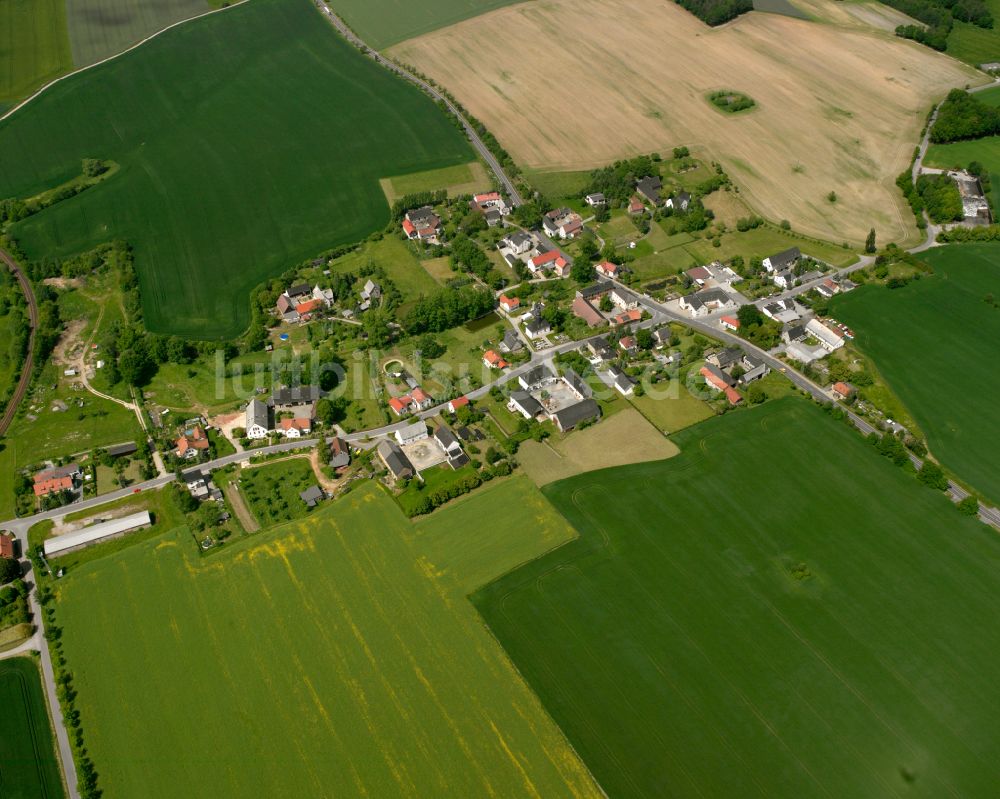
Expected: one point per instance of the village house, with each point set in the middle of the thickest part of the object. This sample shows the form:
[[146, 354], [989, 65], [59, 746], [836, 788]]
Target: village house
[[842, 390], [574, 415], [523, 403], [627, 317], [494, 361], [624, 300], [370, 294], [784, 279], [395, 461], [649, 187], [636, 206], [312, 496], [536, 377], [422, 224], [258, 420], [707, 301], [416, 431], [713, 275], [679, 202], [725, 358], [730, 323], [595, 200], [192, 441], [754, 368], [720, 381], [509, 304], [562, 222], [537, 327], [517, 243], [7, 548], [489, 201], [300, 400], [56, 479], [608, 269], [623, 383], [595, 291], [458, 402], [781, 311], [662, 337], [340, 453], [600, 349], [794, 333], [628, 345], [325, 296], [828, 288], [782, 261], [828, 338], [511, 342], [552, 259], [294, 427]]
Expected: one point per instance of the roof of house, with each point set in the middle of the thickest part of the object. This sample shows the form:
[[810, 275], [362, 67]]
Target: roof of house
[[552, 256], [493, 358], [731, 320], [117, 450], [537, 374], [458, 460], [308, 307], [296, 424], [596, 197], [53, 484], [519, 238], [716, 376], [57, 471], [6, 546], [705, 296], [625, 317], [784, 257], [595, 289], [512, 302], [635, 204], [733, 395], [699, 273], [296, 395], [626, 342], [459, 402], [257, 414], [394, 458], [301, 288], [399, 404], [512, 341], [527, 402], [446, 438], [339, 447], [842, 388], [311, 495], [489, 196], [582, 308], [650, 187], [417, 428], [96, 532], [537, 325], [572, 415], [795, 332], [608, 267], [577, 383], [419, 395], [728, 356]]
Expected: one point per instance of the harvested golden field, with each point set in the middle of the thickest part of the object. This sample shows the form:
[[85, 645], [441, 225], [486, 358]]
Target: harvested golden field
[[571, 85], [619, 440]]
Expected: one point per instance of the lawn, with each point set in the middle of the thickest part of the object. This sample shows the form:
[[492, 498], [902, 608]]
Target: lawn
[[459, 179], [400, 261], [213, 194], [675, 411], [30, 766], [934, 341], [34, 46], [382, 23], [558, 185], [335, 656], [975, 45], [272, 490], [626, 437], [817, 641], [961, 154], [102, 28], [764, 241]]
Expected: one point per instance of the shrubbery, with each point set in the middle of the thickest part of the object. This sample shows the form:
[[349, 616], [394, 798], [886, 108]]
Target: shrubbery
[[716, 12], [940, 197], [963, 116]]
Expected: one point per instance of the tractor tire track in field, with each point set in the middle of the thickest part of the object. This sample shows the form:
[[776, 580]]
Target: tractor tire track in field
[[29, 360]]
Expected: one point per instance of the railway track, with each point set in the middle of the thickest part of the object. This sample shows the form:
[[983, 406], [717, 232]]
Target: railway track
[[29, 361]]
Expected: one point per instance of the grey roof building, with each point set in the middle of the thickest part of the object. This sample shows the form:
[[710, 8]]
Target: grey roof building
[[295, 396], [526, 404], [649, 187], [573, 415], [395, 461], [340, 453], [535, 377], [577, 383], [312, 496]]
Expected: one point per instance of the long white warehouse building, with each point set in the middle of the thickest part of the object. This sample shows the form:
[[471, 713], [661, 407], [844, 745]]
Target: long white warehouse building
[[78, 539]]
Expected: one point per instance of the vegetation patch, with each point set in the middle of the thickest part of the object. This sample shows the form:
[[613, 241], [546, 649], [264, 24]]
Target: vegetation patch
[[318, 637], [921, 323], [272, 490], [214, 206], [685, 604], [940, 197], [30, 765], [731, 102]]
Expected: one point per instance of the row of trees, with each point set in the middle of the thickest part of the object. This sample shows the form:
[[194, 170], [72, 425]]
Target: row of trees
[[716, 12], [448, 308], [939, 17]]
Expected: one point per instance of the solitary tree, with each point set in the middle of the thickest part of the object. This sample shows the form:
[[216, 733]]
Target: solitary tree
[[870, 242]]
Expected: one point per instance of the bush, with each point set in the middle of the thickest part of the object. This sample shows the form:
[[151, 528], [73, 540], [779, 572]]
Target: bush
[[932, 475], [10, 570], [940, 197], [969, 506], [963, 116], [716, 12]]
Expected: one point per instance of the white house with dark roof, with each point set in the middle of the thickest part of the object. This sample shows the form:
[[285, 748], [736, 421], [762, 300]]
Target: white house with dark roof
[[258, 423], [783, 260]]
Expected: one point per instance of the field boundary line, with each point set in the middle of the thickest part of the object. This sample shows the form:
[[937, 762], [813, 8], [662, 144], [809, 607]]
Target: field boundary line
[[113, 56]]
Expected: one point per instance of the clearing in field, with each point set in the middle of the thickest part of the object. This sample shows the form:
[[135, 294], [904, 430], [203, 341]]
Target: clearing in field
[[621, 439], [30, 765], [342, 647], [935, 342], [34, 46], [214, 195], [763, 641], [838, 110], [100, 28], [460, 179]]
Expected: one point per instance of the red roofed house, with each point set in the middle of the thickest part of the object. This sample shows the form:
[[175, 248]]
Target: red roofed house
[[608, 269], [627, 343], [634, 315], [422, 224], [304, 308], [459, 402], [509, 303], [547, 260], [636, 206], [294, 428], [494, 361], [842, 390], [488, 200], [7, 546], [61, 478], [421, 399], [717, 380], [191, 442], [730, 322], [699, 275], [400, 405], [733, 396]]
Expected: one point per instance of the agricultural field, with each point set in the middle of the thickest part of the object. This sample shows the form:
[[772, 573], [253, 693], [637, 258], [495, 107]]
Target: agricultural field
[[627, 437], [456, 180], [30, 765], [382, 23], [209, 210], [797, 648], [100, 28], [342, 645], [34, 46], [844, 118], [934, 341]]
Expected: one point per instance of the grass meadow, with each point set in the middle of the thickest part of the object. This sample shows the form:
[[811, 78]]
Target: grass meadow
[[382, 23], [30, 765], [703, 638], [336, 655], [935, 343], [228, 175], [34, 46]]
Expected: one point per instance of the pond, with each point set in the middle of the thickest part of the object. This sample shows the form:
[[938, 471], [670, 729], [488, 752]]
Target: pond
[[483, 322]]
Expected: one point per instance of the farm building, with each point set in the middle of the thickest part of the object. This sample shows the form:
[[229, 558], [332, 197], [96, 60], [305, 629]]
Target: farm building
[[395, 461], [412, 432], [113, 528], [258, 420], [340, 453]]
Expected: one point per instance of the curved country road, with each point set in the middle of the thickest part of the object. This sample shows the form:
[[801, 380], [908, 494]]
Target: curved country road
[[29, 361]]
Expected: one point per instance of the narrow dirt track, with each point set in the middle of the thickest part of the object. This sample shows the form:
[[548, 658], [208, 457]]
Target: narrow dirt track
[[29, 361]]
